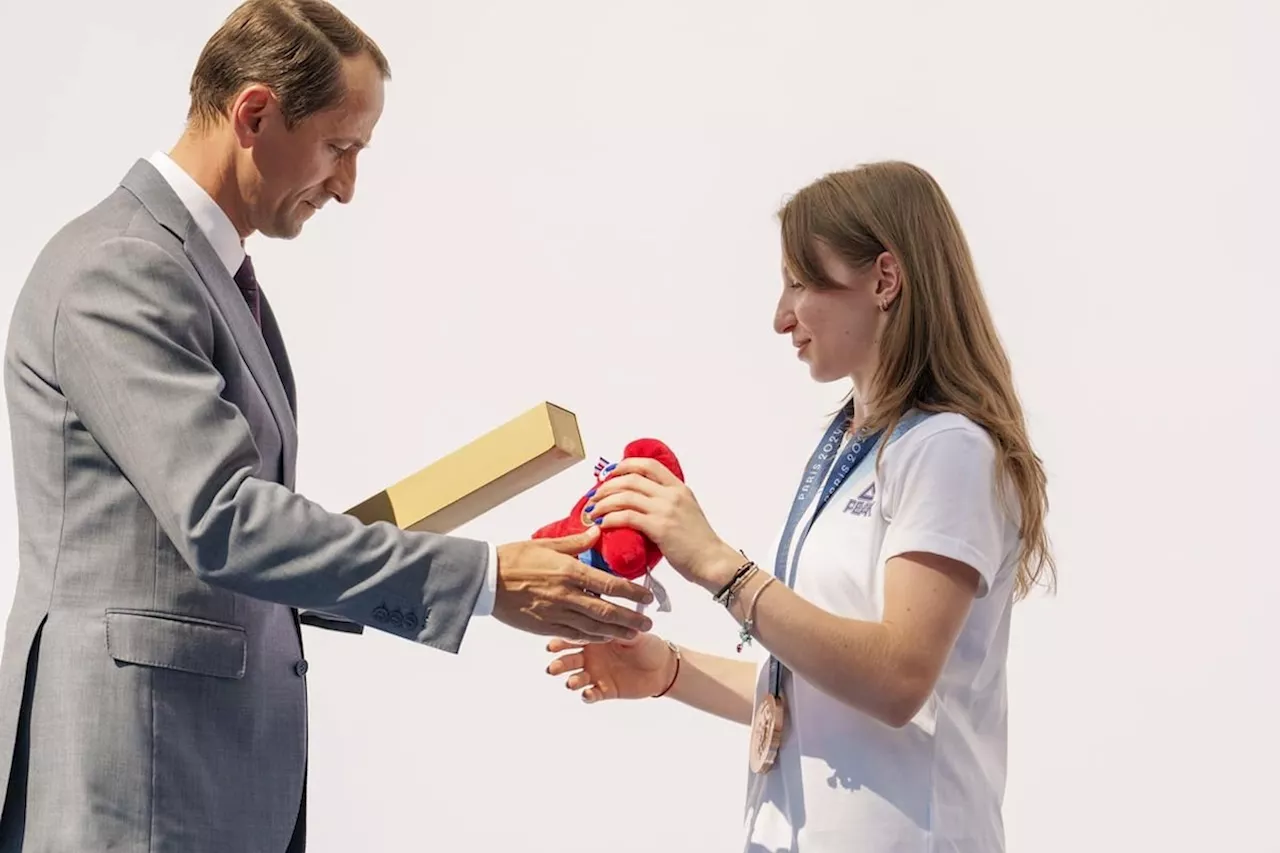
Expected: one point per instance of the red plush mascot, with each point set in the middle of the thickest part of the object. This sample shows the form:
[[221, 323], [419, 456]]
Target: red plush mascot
[[619, 550]]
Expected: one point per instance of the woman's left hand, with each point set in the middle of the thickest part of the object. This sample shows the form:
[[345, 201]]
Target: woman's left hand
[[644, 495]]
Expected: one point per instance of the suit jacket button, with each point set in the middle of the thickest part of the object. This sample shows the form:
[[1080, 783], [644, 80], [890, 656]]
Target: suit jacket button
[[300, 667]]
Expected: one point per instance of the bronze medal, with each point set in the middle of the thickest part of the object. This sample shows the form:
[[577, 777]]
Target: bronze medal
[[766, 733]]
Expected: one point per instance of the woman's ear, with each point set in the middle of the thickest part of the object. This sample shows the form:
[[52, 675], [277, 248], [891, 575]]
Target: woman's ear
[[888, 280]]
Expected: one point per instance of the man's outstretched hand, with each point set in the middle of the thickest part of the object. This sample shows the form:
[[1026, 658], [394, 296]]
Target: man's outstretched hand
[[544, 589]]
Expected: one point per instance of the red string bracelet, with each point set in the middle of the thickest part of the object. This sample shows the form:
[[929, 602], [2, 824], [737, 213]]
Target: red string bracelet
[[676, 651]]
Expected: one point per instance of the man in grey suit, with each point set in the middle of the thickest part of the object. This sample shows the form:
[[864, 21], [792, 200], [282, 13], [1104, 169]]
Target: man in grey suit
[[152, 690]]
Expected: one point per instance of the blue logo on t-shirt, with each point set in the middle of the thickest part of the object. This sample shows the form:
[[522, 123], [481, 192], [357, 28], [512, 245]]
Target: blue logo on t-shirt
[[861, 505]]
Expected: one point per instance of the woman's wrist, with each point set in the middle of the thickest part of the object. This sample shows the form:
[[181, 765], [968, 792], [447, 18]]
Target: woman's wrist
[[673, 667], [742, 605], [719, 568]]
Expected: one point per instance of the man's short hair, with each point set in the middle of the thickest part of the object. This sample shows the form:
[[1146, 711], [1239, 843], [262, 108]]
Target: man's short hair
[[295, 47]]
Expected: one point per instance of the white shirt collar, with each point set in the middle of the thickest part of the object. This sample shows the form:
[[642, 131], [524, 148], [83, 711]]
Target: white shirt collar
[[210, 218]]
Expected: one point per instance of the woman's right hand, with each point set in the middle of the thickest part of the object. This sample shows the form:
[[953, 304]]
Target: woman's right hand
[[616, 669]]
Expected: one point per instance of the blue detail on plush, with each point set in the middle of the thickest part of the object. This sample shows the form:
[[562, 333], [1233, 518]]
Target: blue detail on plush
[[594, 559]]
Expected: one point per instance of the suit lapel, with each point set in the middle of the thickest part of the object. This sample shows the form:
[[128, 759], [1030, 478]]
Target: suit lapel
[[154, 192], [249, 338]]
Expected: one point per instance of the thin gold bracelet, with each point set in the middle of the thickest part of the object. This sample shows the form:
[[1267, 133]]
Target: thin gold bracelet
[[748, 618]]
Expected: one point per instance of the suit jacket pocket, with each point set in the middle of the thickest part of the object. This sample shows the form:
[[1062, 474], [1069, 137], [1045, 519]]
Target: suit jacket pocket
[[173, 641]]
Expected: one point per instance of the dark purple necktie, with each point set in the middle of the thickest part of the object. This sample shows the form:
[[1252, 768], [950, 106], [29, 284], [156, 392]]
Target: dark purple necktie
[[248, 284]]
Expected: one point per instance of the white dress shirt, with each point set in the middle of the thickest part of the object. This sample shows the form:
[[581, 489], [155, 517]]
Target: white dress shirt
[[226, 242]]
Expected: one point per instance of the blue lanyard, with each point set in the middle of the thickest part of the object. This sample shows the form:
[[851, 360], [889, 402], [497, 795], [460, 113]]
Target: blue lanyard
[[822, 463]]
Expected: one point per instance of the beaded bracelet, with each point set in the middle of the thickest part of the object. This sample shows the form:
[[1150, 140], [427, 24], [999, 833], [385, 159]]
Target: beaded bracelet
[[725, 591], [732, 593]]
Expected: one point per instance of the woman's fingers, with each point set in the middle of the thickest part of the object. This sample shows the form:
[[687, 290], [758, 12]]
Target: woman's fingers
[[575, 663], [560, 644], [637, 510], [594, 693], [651, 469], [619, 500], [625, 483], [567, 663], [578, 680]]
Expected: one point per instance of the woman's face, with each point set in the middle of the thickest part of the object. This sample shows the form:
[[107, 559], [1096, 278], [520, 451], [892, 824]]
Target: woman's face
[[836, 332]]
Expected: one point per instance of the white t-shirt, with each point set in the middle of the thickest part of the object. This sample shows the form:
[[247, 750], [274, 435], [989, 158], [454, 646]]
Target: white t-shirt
[[844, 781]]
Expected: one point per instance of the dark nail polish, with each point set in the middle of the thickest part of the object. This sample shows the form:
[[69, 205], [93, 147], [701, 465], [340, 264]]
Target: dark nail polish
[[591, 493], [589, 507], [611, 467]]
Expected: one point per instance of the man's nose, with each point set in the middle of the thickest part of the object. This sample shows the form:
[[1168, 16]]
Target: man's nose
[[343, 183]]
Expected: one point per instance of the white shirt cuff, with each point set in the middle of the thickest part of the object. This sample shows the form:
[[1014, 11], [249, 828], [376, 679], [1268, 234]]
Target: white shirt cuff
[[484, 602]]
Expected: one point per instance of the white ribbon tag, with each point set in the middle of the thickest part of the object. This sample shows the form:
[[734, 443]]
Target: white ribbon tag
[[659, 593]]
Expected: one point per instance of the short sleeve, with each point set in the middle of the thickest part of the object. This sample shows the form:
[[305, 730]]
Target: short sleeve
[[940, 498]]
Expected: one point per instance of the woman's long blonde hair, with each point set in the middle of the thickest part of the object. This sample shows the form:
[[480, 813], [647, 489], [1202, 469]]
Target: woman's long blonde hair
[[939, 351]]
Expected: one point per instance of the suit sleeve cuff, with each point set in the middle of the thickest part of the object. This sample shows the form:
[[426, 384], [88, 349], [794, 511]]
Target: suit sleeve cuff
[[484, 601]]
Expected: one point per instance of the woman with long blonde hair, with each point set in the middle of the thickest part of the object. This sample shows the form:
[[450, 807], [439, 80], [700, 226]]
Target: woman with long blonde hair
[[878, 720]]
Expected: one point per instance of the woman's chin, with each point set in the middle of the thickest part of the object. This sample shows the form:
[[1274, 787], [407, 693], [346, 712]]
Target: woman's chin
[[823, 375]]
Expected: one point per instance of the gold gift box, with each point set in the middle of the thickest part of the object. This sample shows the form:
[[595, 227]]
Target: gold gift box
[[460, 487], [479, 476]]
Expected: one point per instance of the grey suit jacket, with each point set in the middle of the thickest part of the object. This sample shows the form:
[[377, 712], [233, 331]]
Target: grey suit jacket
[[152, 690]]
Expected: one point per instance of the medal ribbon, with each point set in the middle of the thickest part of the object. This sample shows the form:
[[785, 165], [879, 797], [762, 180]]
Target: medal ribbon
[[822, 463]]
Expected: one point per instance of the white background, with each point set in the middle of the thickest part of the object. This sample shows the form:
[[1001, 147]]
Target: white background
[[574, 201]]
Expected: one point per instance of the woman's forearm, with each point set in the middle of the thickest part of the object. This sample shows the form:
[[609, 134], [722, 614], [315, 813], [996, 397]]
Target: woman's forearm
[[716, 685], [875, 667], [850, 660]]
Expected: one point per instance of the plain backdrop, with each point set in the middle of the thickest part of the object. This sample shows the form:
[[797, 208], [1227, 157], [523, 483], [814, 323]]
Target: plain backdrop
[[574, 202]]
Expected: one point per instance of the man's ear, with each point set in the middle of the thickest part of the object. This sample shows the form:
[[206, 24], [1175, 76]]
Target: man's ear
[[888, 278], [253, 108]]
